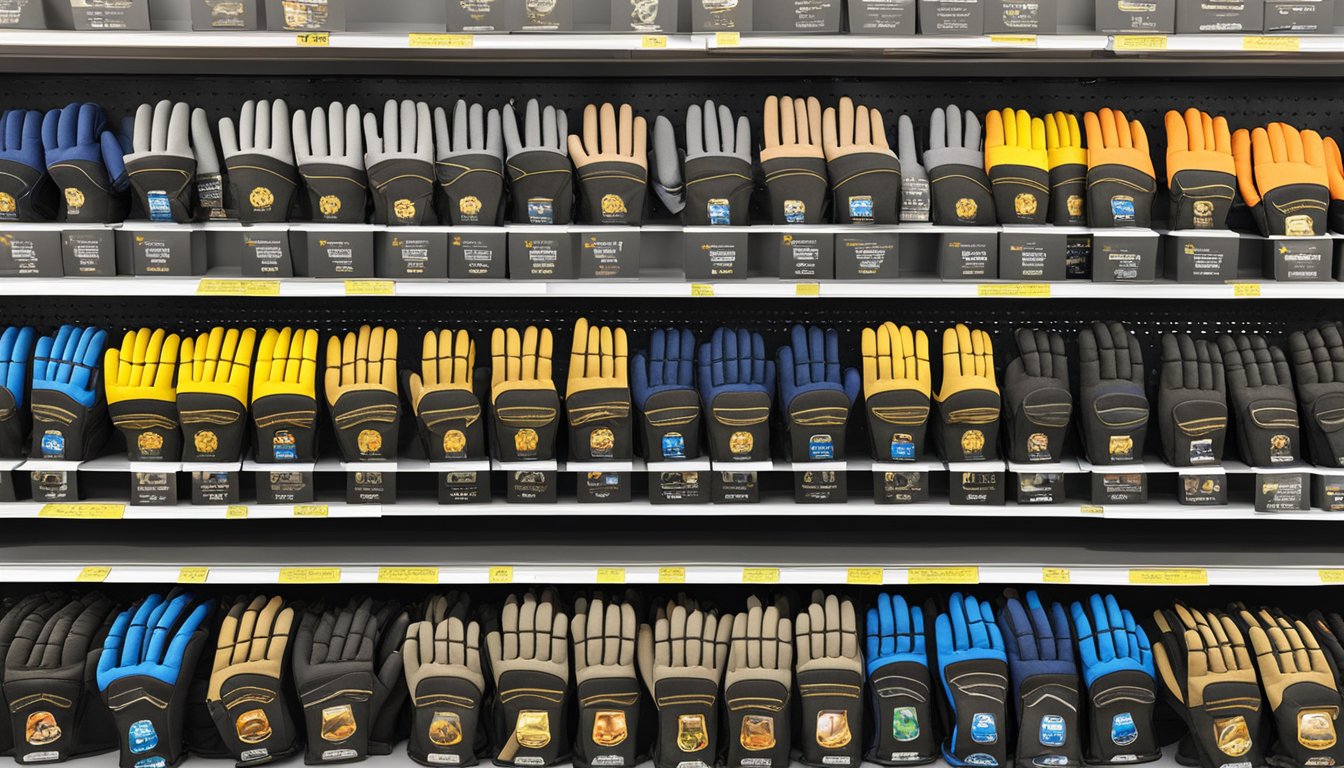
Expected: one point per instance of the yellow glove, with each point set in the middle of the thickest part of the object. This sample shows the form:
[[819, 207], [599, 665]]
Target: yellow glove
[[968, 403], [522, 394], [1018, 163], [1068, 169], [443, 397], [212, 378], [140, 395], [897, 384], [597, 400], [284, 396], [361, 387]]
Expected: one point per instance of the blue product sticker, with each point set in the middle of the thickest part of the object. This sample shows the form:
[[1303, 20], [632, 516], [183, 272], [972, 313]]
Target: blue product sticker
[[902, 450], [285, 446], [540, 211], [861, 208], [1049, 761], [1123, 731], [1052, 731], [980, 758], [1122, 209], [795, 212], [674, 446], [142, 737], [53, 444], [984, 729], [820, 448], [720, 212], [160, 209], [151, 762]]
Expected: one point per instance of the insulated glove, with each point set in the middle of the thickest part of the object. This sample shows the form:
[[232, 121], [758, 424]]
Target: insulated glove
[[1121, 181], [390, 723], [597, 399], [330, 155], [541, 180], [681, 658], [968, 403], [612, 162], [898, 678], [956, 165], [757, 686], [1068, 170], [469, 165], [973, 671], [663, 383], [284, 396], [1201, 174], [529, 658], [86, 160], [259, 154], [1261, 390], [442, 657], [865, 173], [444, 399], [68, 404], [737, 387], [1111, 387], [1192, 401], [1045, 681], [816, 395], [830, 682], [248, 682], [1334, 166], [916, 198], [897, 384], [173, 166], [522, 394], [361, 390], [213, 374], [1318, 360], [1282, 175], [27, 192], [16, 353], [400, 163], [604, 667], [1018, 163], [712, 187], [140, 394], [1036, 386], [1117, 664], [43, 605], [793, 160]]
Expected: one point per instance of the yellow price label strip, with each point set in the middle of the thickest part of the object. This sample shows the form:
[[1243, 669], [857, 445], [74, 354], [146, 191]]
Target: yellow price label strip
[[310, 575], [501, 574], [960, 574], [702, 290], [1092, 509], [864, 576], [235, 512], [1139, 43], [1056, 575], [1014, 291], [653, 41], [1271, 43], [313, 39], [1019, 40], [441, 40], [671, 575], [1246, 290], [610, 575], [727, 39], [760, 575], [407, 574], [1331, 575], [370, 288], [193, 574], [807, 289], [82, 511], [216, 287], [311, 510], [93, 574], [1168, 576]]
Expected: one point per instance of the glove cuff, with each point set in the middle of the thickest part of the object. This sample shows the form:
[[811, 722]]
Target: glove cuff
[[608, 723], [542, 185], [1119, 196], [1201, 199], [866, 187], [150, 428], [149, 715], [1048, 730], [1225, 732], [472, 189], [530, 708], [815, 424], [797, 187], [85, 196], [1021, 194], [969, 426], [687, 723], [338, 713], [451, 425], [445, 714], [1068, 191], [961, 196], [286, 429], [758, 724], [614, 192], [599, 424], [263, 187], [739, 426], [1040, 420], [1194, 431], [337, 194], [212, 426], [670, 422], [253, 718], [1121, 717], [1294, 210], [26, 193], [64, 429], [1115, 426], [897, 422], [164, 186], [525, 423], [46, 710], [368, 424], [901, 700], [717, 191], [976, 691], [403, 188], [832, 711]]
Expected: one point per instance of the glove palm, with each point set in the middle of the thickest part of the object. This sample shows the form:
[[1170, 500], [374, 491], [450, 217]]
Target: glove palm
[[212, 382]]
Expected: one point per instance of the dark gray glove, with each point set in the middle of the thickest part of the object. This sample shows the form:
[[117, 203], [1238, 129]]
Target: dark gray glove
[[541, 180], [400, 162], [916, 200], [1036, 388], [1318, 356], [1192, 401], [1114, 404], [1261, 390], [712, 186]]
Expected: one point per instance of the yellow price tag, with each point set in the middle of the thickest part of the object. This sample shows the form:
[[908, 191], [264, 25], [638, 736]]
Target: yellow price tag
[[93, 574], [671, 575], [370, 288], [961, 574], [311, 510], [653, 41], [1168, 576], [313, 39], [215, 287], [439, 40], [408, 575], [760, 575], [235, 512], [310, 575], [1271, 43], [82, 511], [863, 576], [727, 39], [501, 574], [1331, 575], [193, 574], [610, 575], [807, 289], [1015, 291], [702, 290], [1092, 509], [1056, 575], [1246, 290], [1029, 40], [1139, 43]]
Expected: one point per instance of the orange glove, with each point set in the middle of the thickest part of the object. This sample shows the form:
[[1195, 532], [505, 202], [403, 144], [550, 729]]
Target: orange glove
[[1334, 165], [1200, 170], [1283, 179], [1121, 181]]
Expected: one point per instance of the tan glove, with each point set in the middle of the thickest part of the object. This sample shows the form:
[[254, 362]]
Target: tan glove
[[758, 685], [681, 658]]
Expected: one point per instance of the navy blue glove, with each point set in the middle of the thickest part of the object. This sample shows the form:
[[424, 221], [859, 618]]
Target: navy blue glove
[[1117, 663], [85, 160], [737, 387], [69, 419], [26, 191], [1045, 681], [973, 668], [898, 676], [16, 351], [663, 384], [816, 396]]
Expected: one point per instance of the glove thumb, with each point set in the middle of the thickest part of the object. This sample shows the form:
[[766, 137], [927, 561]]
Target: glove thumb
[[853, 382], [114, 160]]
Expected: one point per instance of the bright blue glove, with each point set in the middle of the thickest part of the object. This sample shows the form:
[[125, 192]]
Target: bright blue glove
[[737, 386], [816, 396], [68, 408], [898, 674], [663, 383], [1117, 665], [1045, 681], [85, 160], [26, 191], [16, 351], [973, 667]]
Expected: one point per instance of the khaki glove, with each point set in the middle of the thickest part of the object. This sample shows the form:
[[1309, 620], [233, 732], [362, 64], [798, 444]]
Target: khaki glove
[[529, 657], [522, 394], [968, 403], [830, 682], [793, 160], [246, 696], [865, 174], [443, 397], [612, 161], [212, 379], [604, 666], [442, 656], [758, 686], [361, 390], [681, 658], [140, 396], [597, 400]]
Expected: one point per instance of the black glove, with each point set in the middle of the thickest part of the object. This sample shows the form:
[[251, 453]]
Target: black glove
[[1261, 390], [1192, 401], [1114, 403], [1318, 357], [246, 695], [44, 604], [541, 180], [1036, 386], [390, 722]]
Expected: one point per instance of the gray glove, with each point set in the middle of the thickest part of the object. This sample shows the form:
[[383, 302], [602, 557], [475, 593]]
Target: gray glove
[[916, 200], [1113, 403], [758, 685], [330, 152], [173, 165], [470, 165], [400, 162], [260, 159], [541, 179], [712, 185], [956, 165]]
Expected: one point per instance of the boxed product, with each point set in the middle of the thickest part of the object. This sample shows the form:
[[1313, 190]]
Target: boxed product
[[22, 14], [89, 250], [546, 16], [882, 17], [31, 250], [1220, 16], [225, 15], [795, 16], [479, 16], [305, 15], [1200, 257], [110, 14], [721, 15], [1149, 17], [1299, 16], [952, 17], [1021, 17], [646, 16]]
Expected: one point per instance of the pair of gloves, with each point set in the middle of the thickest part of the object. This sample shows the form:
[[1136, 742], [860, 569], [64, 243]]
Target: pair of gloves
[[67, 164]]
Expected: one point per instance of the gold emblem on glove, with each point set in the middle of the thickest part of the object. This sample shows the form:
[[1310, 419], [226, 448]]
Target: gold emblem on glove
[[833, 728], [794, 208], [205, 441], [7, 203], [253, 726], [1299, 226], [1025, 204], [338, 723], [609, 728], [329, 205], [692, 736], [470, 205], [758, 732], [741, 443], [369, 441], [601, 440], [445, 729], [261, 197], [1203, 210], [149, 442], [1232, 735], [1038, 443], [966, 209], [533, 729], [972, 441], [1121, 446], [613, 205], [1316, 728], [41, 728], [454, 442], [74, 198], [526, 440], [1075, 205], [404, 209]]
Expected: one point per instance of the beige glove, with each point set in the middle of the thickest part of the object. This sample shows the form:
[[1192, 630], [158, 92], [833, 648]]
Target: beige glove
[[246, 697], [612, 160], [830, 681], [361, 389], [757, 686], [681, 658], [604, 666], [793, 160], [442, 656], [529, 656], [865, 174]]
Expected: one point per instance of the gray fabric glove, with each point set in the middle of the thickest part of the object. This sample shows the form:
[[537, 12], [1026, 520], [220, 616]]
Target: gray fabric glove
[[916, 198], [400, 163], [469, 165], [956, 166], [329, 148], [541, 180], [711, 185], [1113, 407], [1036, 390], [260, 158], [681, 658], [1192, 401], [442, 656], [173, 165]]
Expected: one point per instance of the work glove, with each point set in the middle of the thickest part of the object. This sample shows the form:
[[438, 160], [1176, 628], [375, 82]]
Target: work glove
[[541, 180], [1068, 170], [16, 353], [712, 187], [284, 396], [898, 677], [1334, 166], [1201, 174], [830, 681], [27, 192], [793, 160], [662, 381], [737, 387], [1192, 401], [69, 420], [443, 397], [1036, 386], [681, 658], [1121, 181], [956, 165], [391, 716], [897, 384], [529, 657], [604, 667], [865, 173], [140, 395], [330, 156], [442, 657], [973, 671], [1018, 163], [144, 672], [469, 165], [968, 403], [1045, 681], [758, 685], [361, 390], [597, 398], [916, 198], [1318, 361], [173, 166], [259, 154], [522, 394], [45, 605], [1261, 390], [400, 163], [1117, 664], [817, 396], [212, 379], [612, 162], [1282, 175], [86, 161], [1111, 388], [249, 681]]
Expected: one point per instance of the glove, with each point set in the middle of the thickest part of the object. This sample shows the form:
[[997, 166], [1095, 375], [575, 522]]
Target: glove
[[443, 397], [1201, 174], [401, 164], [597, 400], [898, 676], [1261, 390], [1192, 401], [896, 389], [140, 394], [793, 161], [260, 158], [541, 180], [916, 198], [27, 192], [246, 696], [1117, 664], [86, 161], [1068, 170], [1036, 386], [968, 404], [361, 390], [390, 717], [756, 688], [470, 165], [1318, 359], [443, 675], [1018, 163], [604, 665], [865, 174], [284, 396], [143, 674], [68, 404], [1114, 402], [737, 386], [16, 351], [613, 165], [45, 605], [681, 658], [816, 396], [973, 670], [522, 394], [1334, 166], [173, 165], [713, 187], [961, 192], [212, 379], [830, 681], [331, 161], [1283, 179], [1121, 181], [1045, 681], [663, 383], [529, 657]]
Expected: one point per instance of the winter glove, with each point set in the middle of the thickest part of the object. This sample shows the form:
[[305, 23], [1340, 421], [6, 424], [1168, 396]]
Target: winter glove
[[249, 681], [973, 671], [16, 354], [87, 162], [1318, 360], [681, 658], [604, 666], [1121, 181], [69, 421], [361, 390], [712, 187], [793, 160], [27, 192], [523, 399], [173, 167], [897, 385], [330, 156], [865, 174], [830, 682], [968, 403], [43, 605], [956, 165], [737, 387], [898, 677], [1201, 174], [1114, 403], [1117, 664], [212, 380], [469, 165], [529, 658], [1192, 401], [597, 398], [1334, 166], [259, 154], [612, 162], [400, 163], [284, 396], [662, 381], [815, 394], [1282, 175], [916, 198], [541, 180], [1260, 388], [1036, 386], [757, 686], [140, 395], [444, 399], [1068, 170], [442, 657], [1045, 681], [1018, 164]]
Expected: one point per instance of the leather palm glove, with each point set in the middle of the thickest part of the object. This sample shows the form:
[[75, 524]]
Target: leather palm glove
[[1334, 167], [69, 421], [681, 658], [1117, 664], [248, 682], [758, 686], [523, 399], [793, 160], [1201, 174], [597, 399], [897, 384], [1318, 362], [1068, 170], [16, 356], [711, 185], [329, 150], [529, 657], [173, 166], [1113, 397], [604, 667], [446, 682], [1260, 388], [1282, 175], [916, 199], [469, 165], [86, 161], [865, 174], [898, 676], [443, 396], [1121, 181], [27, 192], [284, 396], [968, 403], [1018, 164], [612, 162], [140, 395], [956, 165], [816, 394], [1192, 401], [400, 163], [259, 154], [361, 390], [973, 672], [541, 179], [213, 374], [830, 681], [662, 381], [1045, 681], [737, 388], [1036, 386]]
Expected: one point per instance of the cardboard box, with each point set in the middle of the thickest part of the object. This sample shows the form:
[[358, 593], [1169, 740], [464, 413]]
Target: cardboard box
[[968, 254], [609, 252], [603, 487], [1282, 492], [1228, 16], [821, 486], [1124, 256], [364, 487], [952, 17], [480, 254], [1299, 16], [530, 486], [51, 485], [714, 253], [477, 16], [282, 486], [1039, 487], [333, 251], [410, 253], [684, 487], [102, 15], [266, 252], [162, 250], [900, 487], [546, 16], [721, 15], [1119, 487], [154, 489], [1300, 259], [1149, 17], [89, 250], [226, 15], [645, 16], [728, 487], [1200, 257], [305, 15], [464, 487], [212, 488], [1202, 489], [24, 14], [806, 255], [541, 253], [1035, 255], [977, 487], [867, 256], [894, 18], [1327, 492], [1021, 17], [799, 16], [31, 250]]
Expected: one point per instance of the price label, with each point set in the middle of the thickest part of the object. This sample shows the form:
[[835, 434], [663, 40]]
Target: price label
[[1092, 509], [653, 41], [82, 511], [311, 510], [194, 574], [433, 40], [217, 287], [235, 512], [727, 39], [610, 575], [1271, 43], [807, 289], [1139, 43], [1015, 291], [1168, 576], [1056, 575], [1246, 290], [760, 575], [1020, 40], [501, 574], [313, 39], [671, 575], [863, 576], [408, 575], [962, 574], [310, 575], [370, 288], [1331, 575], [93, 574], [702, 290]]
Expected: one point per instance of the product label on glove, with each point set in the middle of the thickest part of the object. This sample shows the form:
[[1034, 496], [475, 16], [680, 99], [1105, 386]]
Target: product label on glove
[[53, 445], [720, 212], [141, 737], [339, 754], [1053, 733], [820, 448], [795, 212], [915, 200], [1122, 209], [160, 209], [984, 729], [904, 726], [41, 757], [1123, 730], [902, 447], [540, 212], [861, 209], [674, 446], [151, 762]]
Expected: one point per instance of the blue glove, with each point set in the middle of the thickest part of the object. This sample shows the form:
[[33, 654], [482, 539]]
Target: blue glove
[[817, 398], [1117, 665], [16, 351], [663, 384], [26, 191], [737, 386], [85, 160], [1045, 681], [68, 407], [973, 668], [898, 674]]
